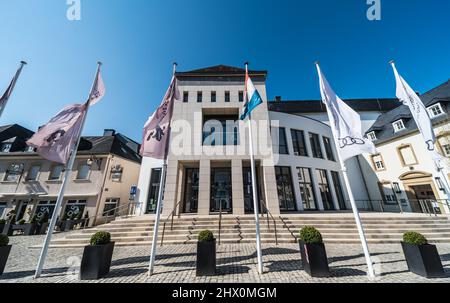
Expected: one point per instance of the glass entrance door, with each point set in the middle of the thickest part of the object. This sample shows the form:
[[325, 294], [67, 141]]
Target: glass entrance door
[[221, 190], [248, 190], [191, 190]]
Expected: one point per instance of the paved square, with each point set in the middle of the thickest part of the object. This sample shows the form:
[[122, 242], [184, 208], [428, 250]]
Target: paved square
[[236, 264]]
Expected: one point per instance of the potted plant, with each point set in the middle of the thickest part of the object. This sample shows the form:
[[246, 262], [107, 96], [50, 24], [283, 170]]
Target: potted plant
[[313, 252], [67, 223], [422, 258], [10, 222], [5, 249], [42, 225], [206, 254], [97, 257], [2, 225], [28, 229]]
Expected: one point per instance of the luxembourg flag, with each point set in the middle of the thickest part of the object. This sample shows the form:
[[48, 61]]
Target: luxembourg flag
[[252, 97]]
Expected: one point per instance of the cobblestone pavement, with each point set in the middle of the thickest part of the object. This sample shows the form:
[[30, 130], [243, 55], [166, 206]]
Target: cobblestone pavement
[[236, 264]]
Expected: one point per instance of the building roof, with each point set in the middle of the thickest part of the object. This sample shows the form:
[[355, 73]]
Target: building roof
[[219, 71], [317, 106], [383, 126]]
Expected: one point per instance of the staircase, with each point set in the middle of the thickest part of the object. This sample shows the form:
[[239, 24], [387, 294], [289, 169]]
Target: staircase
[[335, 228]]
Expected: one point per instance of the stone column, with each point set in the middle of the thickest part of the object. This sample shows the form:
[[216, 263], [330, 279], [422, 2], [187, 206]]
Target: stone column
[[237, 181], [333, 191], [317, 190], [298, 196], [170, 191], [204, 194], [270, 188]]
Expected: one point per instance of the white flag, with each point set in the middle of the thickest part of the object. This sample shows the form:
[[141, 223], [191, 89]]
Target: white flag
[[345, 122], [98, 89], [408, 97]]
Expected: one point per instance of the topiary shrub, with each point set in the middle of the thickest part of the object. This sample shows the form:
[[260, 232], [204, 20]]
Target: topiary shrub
[[206, 236], [414, 238], [310, 235], [4, 240], [101, 238]]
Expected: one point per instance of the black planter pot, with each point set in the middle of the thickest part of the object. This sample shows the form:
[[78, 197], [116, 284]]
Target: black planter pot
[[7, 229], [314, 259], [423, 260], [67, 225], [28, 229], [41, 228], [2, 226], [4, 254], [206, 258], [96, 261]]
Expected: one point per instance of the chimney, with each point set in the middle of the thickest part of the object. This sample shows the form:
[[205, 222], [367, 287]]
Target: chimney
[[109, 132], [278, 99]]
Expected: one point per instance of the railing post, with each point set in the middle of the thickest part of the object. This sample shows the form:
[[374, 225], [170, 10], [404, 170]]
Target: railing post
[[220, 221], [163, 232]]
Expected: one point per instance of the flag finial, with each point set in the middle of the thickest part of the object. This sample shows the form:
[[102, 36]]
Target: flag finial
[[392, 62], [175, 64], [246, 63], [100, 63], [317, 62], [23, 62]]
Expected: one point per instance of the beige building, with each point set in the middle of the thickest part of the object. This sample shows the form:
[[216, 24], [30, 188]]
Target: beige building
[[104, 171]]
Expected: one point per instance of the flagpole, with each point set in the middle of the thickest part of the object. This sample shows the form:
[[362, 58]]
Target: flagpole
[[16, 77], [68, 171], [359, 226], [159, 207], [254, 190]]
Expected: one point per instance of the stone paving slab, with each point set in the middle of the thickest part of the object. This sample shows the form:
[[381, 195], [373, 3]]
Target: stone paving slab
[[236, 264]]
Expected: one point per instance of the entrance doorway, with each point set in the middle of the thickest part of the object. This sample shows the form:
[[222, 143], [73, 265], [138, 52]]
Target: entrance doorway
[[221, 190], [248, 190], [425, 199], [191, 187]]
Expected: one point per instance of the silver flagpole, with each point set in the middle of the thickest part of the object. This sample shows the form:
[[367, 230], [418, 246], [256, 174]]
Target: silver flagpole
[[359, 226], [159, 207], [67, 173], [254, 190], [16, 77]]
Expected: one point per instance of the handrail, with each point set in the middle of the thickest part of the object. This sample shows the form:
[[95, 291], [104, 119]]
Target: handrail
[[220, 220], [288, 228], [114, 211], [172, 214], [273, 219]]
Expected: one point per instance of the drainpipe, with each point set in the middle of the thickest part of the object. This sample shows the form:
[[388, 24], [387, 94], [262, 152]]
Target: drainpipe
[[99, 199]]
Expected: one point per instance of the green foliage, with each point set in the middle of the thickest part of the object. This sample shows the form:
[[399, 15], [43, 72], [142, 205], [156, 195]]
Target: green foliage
[[2, 221], [101, 238], [414, 238], [21, 222], [310, 235], [206, 236], [33, 219], [4, 240]]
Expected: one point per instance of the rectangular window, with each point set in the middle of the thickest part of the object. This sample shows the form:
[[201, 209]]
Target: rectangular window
[[5, 147], [220, 130], [324, 187], [14, 172], [378, 162], [75, 209], [436, 110], [110, 208], [185, 97], [280, 140], [116, 173], [328, 149], [298, 141], [306, 188], [407, 155], [372, 136], [398, 126], [315, 146], [241, 96], [387, 193], [155, 180], [213, 97], [45, 209], [444, 143], [56, 173], [33, 173], [199, 97], [227, 96], [286, 197], [83, 171], [338, 189], [2, 209]]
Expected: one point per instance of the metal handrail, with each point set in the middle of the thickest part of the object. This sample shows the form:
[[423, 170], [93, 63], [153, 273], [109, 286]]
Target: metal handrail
[[273, 219], [288, 228], [220, 220], [171, 215], [114, 211]]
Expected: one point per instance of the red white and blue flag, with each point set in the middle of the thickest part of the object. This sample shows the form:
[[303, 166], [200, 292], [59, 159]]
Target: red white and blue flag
[[252, 97]]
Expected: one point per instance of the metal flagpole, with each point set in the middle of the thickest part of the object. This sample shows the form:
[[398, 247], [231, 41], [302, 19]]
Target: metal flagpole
[[60, 199], [360, 228], [16, 77], [159, 207], [254, 190]]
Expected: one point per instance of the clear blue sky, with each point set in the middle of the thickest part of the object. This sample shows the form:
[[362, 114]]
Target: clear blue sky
[[139, 39]]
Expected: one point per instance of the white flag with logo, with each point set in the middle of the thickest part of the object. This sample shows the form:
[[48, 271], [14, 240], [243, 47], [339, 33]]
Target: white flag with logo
[[345, 122], [98, 89], [408, 97]]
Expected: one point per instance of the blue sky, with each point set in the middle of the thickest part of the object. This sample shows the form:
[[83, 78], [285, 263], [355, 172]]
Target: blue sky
[[139, 39]]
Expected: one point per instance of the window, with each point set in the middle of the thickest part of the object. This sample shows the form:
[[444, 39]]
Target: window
[[372, 136], [324, 187], [221, 130], [387, 193], [33, 173], [185, 97], [298, 141], [328, 149], [227, 96], [110, 207], [435, 110], [338, 189], [83, 171], [56, 173], [153, 192], [241, 96], [45, 209], [75, 209], [378, 162], [14, 172], [407, 155], [398, 126], [199, 97], [306, 188], [444, 144], [5, 147], [280, 140], [29, 149], [116, 173], [286, 196], [2, 208], [315, 146], [213, 97]]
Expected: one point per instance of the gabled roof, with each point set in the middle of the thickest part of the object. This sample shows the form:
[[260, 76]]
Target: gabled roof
[[219, 71]]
